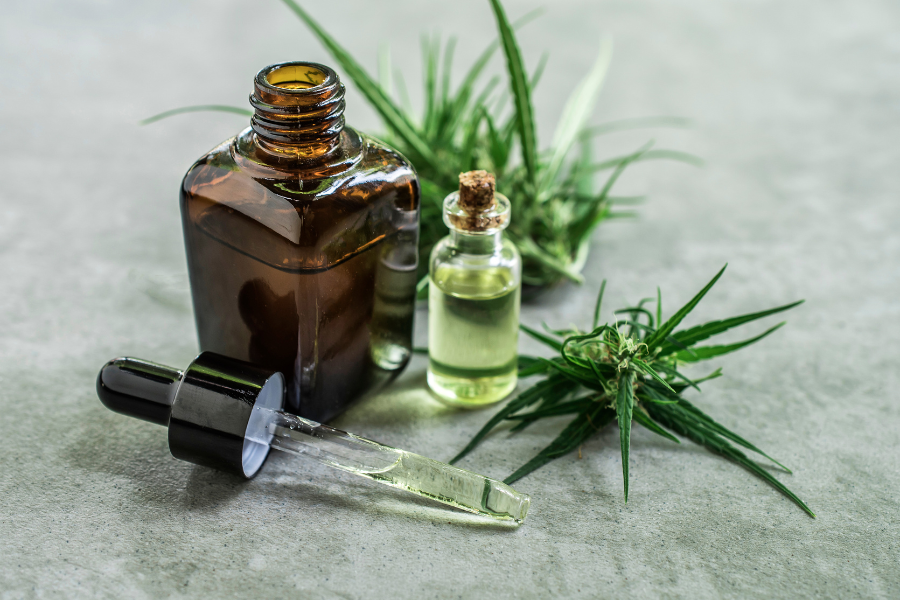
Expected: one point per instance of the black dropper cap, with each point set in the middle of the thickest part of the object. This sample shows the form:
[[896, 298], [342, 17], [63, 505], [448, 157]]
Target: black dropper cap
[[208, 407]]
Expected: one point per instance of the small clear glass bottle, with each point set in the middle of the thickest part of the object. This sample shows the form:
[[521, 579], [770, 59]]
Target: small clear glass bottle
[[475, 280]]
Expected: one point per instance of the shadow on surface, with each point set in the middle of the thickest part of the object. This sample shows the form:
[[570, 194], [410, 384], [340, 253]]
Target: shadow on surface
[[407, 400]]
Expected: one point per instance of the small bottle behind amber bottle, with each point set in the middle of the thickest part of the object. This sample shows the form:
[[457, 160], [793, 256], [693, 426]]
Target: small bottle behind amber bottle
[[473, 302], [301, 239]]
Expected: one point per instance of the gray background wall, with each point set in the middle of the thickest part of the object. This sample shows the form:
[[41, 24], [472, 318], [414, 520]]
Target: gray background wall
[[795, 107]]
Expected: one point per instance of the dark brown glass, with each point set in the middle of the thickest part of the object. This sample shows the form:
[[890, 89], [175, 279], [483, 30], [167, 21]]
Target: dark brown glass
[[301, 239]]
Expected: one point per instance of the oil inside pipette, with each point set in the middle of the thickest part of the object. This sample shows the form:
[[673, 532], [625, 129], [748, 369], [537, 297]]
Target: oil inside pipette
[[398, 468]]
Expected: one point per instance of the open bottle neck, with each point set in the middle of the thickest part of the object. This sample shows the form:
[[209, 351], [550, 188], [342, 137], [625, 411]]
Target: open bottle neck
[[298, 110]]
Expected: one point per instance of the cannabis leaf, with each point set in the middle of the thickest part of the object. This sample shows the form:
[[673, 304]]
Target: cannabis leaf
[[630, 371]]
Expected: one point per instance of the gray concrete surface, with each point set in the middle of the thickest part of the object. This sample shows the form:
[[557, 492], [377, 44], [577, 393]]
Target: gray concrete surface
[[796, 106]]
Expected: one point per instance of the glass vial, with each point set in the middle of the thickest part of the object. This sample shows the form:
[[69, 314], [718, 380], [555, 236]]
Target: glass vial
[[474, 295], [301, 238]]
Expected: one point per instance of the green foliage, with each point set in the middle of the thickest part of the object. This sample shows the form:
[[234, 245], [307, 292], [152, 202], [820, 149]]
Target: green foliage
[[474, 126], [629, 376]]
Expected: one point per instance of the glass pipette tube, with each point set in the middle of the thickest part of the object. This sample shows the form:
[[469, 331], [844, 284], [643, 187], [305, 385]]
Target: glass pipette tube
[[390, 466]]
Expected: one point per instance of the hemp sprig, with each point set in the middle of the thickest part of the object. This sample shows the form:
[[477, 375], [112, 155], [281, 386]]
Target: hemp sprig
[[629, 371]]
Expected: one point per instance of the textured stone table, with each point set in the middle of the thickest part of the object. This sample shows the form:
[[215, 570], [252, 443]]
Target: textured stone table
[[796, 107]]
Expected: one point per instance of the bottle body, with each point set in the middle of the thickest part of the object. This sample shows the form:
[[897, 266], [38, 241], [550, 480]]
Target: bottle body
[[473, 318], [305, 264]]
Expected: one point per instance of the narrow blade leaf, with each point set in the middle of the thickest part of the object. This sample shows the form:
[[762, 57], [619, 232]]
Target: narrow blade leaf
[[521, 92], [577, 110], [556, 345], [666, 328], [646, 369], [562, 408], [691, 336], [582, 427], [707, 352], [644, 419], [624, 411], [198, 108], [551, 385], [599, 304], [658, 306], [709, 422], [669, 416]]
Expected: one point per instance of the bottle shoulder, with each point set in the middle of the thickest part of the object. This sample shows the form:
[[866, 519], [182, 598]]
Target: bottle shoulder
[[360, 161], [447, 250], [320, 215], [483, 275]]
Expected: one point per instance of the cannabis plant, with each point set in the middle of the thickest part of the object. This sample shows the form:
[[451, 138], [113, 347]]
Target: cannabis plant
[[475, 126], [630, 371]]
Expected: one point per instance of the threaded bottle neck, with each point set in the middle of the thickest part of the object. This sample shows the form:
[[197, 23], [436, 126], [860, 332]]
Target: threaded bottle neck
[[299, 109]]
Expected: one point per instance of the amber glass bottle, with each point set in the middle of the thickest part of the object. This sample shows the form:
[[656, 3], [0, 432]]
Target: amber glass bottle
[[301, 239]]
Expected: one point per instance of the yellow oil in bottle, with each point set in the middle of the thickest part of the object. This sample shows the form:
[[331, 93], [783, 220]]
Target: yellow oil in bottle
[[473, 325]]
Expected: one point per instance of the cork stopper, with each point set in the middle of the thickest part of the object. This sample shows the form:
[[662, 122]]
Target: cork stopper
[[476, 209], [476, 191]]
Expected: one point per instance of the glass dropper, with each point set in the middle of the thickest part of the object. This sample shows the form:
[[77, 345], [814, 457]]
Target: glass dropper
[[227, 414], [391, 466]]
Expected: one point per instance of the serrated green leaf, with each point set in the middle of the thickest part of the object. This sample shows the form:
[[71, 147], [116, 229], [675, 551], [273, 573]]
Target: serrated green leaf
[[482, 61], [577, 431], [655, 398], [634, 310], [521, 92], [537, 367], [599, 304], [585, 379], [551, 385], [624, 412], [669, 416], [691, 336], [644, 419], [582, 229], [562, 408], [556, 345], [563, 333], [548, 402], [646, 369], [715, 374], [429, 76], [673, 372], [720, 429], [526, 362], [666, 328], [706, 352], [658, 305]]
